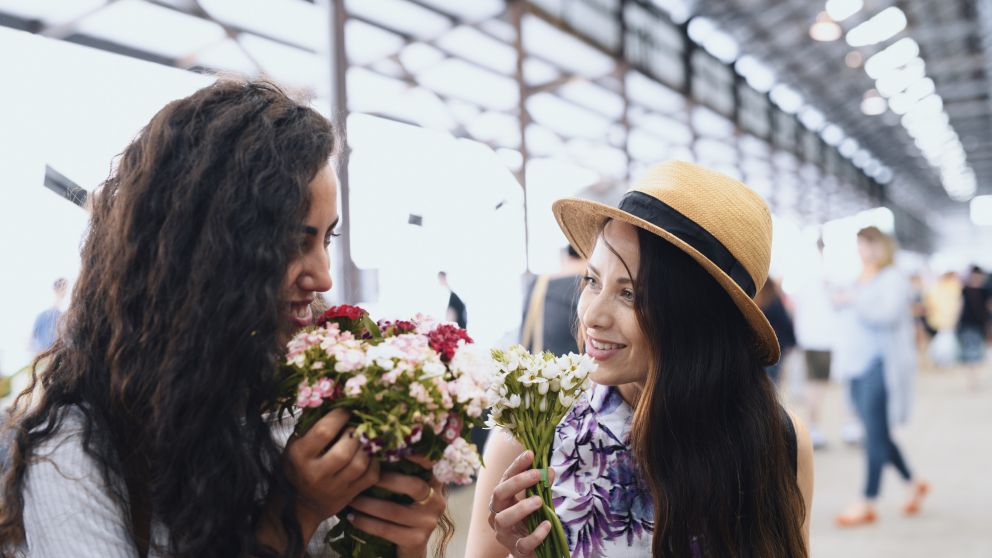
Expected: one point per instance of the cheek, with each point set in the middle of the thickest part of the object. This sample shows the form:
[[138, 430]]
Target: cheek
[[292, 274], [580, 309]]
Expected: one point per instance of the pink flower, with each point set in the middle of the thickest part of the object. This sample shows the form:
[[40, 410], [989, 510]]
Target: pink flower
[[453, 429], [353, 387], [348, 360], [420, 393], [459, 463], [325, 387], [307, 397]]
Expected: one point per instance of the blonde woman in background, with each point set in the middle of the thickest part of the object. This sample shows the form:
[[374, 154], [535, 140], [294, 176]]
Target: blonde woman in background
[[874, 350]]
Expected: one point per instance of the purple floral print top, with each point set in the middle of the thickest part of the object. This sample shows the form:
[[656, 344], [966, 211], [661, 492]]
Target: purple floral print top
[[599, 495]]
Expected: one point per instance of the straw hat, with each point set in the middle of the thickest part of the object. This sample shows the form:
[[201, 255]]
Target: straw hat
[[718, 221]]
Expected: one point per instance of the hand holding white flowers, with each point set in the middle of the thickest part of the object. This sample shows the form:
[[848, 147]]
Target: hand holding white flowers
[[533, 393]]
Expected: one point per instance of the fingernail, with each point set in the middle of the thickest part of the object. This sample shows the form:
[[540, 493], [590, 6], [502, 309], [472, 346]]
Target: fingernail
[[536, 501], [351, 517]]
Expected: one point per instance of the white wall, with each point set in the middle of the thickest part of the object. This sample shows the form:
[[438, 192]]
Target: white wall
[[73, 108]]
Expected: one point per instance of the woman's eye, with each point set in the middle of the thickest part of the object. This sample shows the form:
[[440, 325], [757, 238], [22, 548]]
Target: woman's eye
[[627, 295], [589, 280]]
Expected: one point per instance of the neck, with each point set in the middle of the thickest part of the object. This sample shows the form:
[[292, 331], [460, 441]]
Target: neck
[[869, 271], [630, 392]]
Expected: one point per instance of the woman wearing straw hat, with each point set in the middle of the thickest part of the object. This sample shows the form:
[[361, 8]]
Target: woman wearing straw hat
[[681, 448]]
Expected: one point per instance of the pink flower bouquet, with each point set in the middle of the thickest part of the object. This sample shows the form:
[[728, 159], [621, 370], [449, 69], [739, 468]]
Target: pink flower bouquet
[[412, 387]]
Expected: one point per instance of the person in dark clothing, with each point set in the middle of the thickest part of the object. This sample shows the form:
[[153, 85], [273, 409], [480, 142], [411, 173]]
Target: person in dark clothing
[[550, 312], [973, 323], [456, 308], [770, 302]]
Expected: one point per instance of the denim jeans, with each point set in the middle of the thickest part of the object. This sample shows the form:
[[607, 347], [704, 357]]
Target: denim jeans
[[871, 401]]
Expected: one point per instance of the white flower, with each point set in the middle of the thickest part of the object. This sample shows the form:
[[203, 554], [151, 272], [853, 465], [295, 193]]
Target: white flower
[[433, 369]]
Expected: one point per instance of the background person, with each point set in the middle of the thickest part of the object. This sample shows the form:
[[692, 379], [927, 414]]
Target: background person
[[875, 351]]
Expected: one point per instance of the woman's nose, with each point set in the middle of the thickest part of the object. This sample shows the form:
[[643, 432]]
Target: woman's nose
[[317, 275]]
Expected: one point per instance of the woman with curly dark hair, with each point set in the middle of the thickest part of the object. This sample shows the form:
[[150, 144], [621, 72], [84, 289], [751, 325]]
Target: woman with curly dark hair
[[152, 433]]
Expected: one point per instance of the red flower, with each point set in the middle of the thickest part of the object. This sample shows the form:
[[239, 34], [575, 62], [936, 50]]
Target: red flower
[[444, 339], [344, 311]]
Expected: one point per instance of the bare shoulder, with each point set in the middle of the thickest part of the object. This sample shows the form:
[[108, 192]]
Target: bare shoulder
[[804, 472], [804, 446]]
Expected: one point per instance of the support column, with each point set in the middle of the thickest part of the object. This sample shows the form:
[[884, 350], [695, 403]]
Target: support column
[[348, 278], [517, 9]]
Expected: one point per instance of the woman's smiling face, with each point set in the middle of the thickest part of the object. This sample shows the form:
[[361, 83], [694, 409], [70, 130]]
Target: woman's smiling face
[[607, 308]]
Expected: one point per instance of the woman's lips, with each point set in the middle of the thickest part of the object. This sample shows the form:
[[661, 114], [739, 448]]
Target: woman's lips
[[300, 313], [602, 350]]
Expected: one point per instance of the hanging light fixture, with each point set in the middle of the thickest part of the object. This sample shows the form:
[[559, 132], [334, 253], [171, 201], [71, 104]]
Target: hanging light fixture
[[825, 29], [873, 103]]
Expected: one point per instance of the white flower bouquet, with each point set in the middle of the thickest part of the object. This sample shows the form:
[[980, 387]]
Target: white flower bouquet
[[533, 393]]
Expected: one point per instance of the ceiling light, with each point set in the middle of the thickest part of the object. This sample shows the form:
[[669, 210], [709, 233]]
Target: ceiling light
[[832, 134], [882, 26], [884, 175], [872, 103], [928, 105], [699, 28], [786, 98], [854, 59], [903, 102], [895, 55], [824, 29], [894, 81], [811, 118], [924, 121], [757, 75], [840, 10], [981, 211], [861, 158], [848, 147], [722, 46]]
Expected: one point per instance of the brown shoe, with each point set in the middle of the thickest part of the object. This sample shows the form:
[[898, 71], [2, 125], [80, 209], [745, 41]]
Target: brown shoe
[[866, 517], [920, 490]]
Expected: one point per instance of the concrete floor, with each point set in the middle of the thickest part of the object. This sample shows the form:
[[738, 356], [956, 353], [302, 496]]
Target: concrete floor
[[949, 442]]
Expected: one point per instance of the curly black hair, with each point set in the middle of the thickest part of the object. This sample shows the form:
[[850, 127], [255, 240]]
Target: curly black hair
[[170, 349]]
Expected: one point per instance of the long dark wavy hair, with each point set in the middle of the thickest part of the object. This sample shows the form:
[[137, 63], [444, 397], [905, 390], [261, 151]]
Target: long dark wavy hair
[[171, 344], [708, 434]]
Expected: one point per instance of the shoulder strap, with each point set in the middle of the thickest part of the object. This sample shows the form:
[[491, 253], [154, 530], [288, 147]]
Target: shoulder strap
[[791, 444], [532, 336]]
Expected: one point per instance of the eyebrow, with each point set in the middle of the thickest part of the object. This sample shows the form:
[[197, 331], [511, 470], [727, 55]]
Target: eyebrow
[[312, 231], [622, 280]]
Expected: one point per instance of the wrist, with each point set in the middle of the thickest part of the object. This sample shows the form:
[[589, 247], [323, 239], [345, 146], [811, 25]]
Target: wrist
[[309, 520]]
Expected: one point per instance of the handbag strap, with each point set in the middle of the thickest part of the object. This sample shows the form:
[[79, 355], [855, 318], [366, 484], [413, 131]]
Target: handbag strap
[[532, 335]]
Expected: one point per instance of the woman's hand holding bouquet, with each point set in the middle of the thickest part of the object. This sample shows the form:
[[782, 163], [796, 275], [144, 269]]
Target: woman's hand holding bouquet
[[413, 390]]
